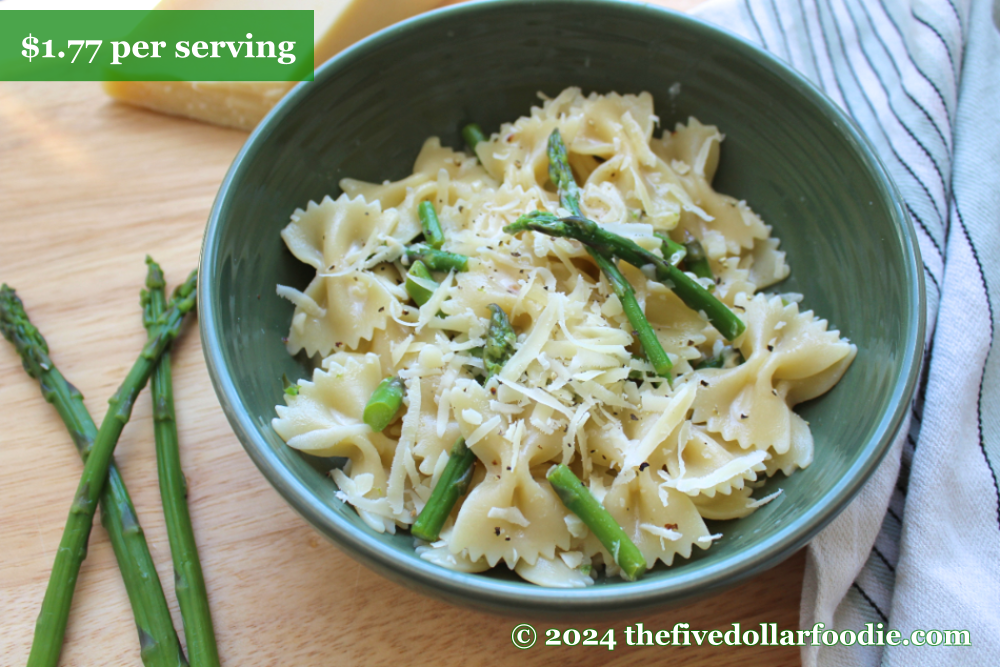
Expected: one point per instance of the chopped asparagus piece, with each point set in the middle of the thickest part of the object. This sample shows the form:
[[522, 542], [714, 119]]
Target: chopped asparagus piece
[[417, 291], [451, 486], [431, 225], [473, 135], [385, 402], [500, 339]]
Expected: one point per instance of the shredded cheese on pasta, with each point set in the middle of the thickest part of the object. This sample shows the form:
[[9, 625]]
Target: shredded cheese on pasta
[[661, 458]]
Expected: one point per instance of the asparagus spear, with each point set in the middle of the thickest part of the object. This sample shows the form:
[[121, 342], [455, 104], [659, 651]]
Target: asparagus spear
[[473, 135], [592, 235], [578, 500], [385, 402], [157, 637], [696, 261], [569, 196], [418, 292], [437, 260], [672, 251], [51, 625], [431, 225], [189, 582], [454, 481], [599, 240]]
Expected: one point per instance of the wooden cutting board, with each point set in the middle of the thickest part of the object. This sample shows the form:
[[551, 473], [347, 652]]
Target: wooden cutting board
[[89, 187]]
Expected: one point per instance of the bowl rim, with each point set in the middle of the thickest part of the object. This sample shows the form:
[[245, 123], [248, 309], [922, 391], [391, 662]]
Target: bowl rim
[[509, 596]]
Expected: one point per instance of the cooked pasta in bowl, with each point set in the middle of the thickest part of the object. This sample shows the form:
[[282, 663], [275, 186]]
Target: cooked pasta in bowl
[[560, 339], [661, 452]]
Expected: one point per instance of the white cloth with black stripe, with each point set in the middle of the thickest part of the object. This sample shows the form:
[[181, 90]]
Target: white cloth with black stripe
[[920, 546]]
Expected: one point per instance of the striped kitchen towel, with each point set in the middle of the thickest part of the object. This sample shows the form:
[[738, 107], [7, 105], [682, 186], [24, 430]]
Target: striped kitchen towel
[[920, 546]]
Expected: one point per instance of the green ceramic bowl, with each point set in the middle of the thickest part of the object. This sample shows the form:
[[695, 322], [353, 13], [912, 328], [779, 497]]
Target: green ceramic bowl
[[789, 152]]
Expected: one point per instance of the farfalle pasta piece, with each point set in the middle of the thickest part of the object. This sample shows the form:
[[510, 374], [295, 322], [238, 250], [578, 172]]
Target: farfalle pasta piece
[[480, 286], [439, 554], [484, 429], [338, 312], [767, 264], [703, 465], [555, 572], [462, 176], [694, 145], [736, 505], [345, 302], [732, 279], [661, 522], [724, 225], [679, 329], [335, 236], [789, 356], [510, 515], [325, 417], [800, 452], [660, 416]]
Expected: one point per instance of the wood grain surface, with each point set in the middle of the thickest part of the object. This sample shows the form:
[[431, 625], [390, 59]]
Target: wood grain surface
[[88, 188]]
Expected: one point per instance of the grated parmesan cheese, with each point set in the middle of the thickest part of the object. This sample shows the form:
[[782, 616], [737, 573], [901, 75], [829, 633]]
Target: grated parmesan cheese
[[660, 454]]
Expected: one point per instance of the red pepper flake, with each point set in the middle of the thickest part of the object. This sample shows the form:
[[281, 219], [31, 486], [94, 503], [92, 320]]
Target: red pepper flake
[[670, 526]]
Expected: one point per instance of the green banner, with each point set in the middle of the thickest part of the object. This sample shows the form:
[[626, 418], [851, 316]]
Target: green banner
[[182, 45]]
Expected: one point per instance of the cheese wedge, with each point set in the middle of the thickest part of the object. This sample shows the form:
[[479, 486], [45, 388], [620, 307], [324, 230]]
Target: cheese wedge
[[242, 104]]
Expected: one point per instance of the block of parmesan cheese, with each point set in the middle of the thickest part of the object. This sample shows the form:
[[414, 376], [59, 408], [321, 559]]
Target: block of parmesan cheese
[[242, 104]]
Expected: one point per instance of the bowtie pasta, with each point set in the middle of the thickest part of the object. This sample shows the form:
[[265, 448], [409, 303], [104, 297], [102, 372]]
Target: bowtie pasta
[[660, 456]]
